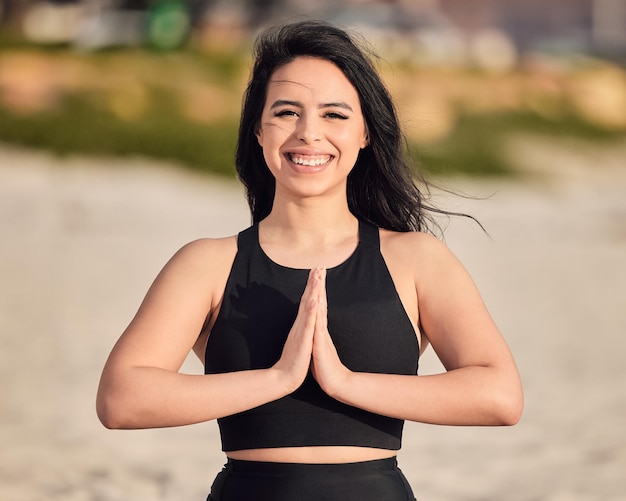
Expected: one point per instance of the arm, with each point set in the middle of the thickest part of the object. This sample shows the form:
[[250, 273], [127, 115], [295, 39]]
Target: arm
[[481, 385], [140, 385]]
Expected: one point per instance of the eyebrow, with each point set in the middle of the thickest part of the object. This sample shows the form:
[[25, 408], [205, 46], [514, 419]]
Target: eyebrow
[[286, 102]]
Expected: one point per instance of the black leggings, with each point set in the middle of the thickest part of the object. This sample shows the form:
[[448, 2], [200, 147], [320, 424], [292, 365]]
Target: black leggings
[[376, 480]]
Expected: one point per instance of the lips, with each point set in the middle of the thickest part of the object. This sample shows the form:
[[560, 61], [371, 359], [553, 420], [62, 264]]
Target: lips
[[309, 160]]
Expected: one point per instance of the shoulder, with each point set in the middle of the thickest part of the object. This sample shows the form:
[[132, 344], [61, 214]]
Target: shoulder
[[193, 280], [423, 255], [202, 260], [412, 244], [197, 251]]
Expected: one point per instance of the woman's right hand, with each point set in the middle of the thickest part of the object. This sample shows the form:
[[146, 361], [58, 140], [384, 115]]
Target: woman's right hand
[[295, 360]]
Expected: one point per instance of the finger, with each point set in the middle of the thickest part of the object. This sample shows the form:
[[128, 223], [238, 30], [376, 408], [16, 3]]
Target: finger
[[323, 297], [322, 310], [309, 303], [309, 298]]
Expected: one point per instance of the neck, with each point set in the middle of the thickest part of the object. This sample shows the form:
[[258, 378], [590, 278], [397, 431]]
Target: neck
[[312, 220]]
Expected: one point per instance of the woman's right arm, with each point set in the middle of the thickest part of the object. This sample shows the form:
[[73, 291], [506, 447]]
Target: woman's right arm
[[140, 385]]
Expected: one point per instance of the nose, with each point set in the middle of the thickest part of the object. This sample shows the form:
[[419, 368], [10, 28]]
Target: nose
[[308, 129]]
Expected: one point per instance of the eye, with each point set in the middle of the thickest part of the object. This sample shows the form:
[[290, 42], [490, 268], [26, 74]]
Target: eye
[[335, 115], [286, 113]]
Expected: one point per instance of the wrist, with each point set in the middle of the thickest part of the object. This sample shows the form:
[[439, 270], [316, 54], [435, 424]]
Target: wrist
[[339, 387], [284, 381]]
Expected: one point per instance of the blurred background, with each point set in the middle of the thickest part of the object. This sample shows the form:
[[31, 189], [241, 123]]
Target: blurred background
[[117, 130], [163, 78]]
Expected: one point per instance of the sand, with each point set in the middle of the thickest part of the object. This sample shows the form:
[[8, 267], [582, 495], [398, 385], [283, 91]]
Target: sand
[[81, 240]]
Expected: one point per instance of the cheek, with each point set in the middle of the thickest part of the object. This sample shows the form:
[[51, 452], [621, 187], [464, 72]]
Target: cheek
[[271, 137], [273, 134], [351, 141]]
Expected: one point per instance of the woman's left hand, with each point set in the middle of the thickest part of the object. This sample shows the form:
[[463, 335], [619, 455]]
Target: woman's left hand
[[326, 366]]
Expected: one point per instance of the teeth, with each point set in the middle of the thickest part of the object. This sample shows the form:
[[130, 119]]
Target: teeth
[[309, 160]]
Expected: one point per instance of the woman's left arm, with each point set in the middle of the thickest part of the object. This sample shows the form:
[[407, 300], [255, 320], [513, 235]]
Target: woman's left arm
[[481, 385]]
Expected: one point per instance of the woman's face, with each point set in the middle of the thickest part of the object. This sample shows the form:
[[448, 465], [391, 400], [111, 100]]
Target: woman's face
[[311, 128]]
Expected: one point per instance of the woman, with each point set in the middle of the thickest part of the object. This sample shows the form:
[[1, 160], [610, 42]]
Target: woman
[[310, 322]]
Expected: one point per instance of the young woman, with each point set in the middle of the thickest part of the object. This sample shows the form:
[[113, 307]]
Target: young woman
[[310, 322]]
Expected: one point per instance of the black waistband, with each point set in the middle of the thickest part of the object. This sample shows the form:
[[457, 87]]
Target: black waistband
[[268, 467]]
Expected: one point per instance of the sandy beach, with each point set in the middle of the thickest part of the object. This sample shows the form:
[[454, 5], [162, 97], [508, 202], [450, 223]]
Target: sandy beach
[[82, 239]]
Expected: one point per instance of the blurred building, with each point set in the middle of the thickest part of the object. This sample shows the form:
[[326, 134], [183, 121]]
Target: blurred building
[[453, 29], [491, 31], [560, 26]]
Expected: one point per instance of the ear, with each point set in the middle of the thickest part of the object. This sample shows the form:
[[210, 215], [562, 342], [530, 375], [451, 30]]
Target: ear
[[366, 138], [259, 136]]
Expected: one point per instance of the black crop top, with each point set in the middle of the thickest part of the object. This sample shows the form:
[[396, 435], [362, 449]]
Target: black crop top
[[366, 320]]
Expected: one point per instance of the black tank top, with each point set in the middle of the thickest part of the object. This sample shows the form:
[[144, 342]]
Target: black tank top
[[366, 320]]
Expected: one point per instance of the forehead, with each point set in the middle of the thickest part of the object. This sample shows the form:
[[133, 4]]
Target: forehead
[[314, 76]]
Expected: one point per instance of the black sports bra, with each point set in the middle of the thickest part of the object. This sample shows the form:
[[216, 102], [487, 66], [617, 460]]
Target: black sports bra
[[366, 320]]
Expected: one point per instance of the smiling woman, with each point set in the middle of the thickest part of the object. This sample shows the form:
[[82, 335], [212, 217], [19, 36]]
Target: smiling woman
[[310, 322], [311, 124]]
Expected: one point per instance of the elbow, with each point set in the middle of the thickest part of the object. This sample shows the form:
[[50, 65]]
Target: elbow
[[508, 408], [511, 415], [109, 422], [111, 411], [108, 414]]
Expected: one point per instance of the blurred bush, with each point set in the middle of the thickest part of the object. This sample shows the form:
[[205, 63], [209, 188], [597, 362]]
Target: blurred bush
[[178, 106], [184, 105]]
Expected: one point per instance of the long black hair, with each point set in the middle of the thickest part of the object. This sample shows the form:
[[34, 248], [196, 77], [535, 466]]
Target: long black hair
[[381, 188]]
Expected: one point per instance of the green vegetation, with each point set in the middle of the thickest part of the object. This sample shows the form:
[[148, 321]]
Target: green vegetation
[[183, 106], [476, 145], [80, 127]]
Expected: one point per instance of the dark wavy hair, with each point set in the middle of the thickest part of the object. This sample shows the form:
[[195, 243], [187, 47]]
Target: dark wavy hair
[[381, 188]]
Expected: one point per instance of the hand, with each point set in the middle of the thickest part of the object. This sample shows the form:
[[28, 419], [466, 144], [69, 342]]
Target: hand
[[327, 368], [295, 360]]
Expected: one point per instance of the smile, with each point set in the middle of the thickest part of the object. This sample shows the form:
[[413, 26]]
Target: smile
[[309, 160]]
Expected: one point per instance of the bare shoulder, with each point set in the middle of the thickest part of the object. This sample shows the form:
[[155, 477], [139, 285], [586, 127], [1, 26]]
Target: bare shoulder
[[201, 267], [407, 238], [207, 251], [422, 256], [204, 256], [413, 246]]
